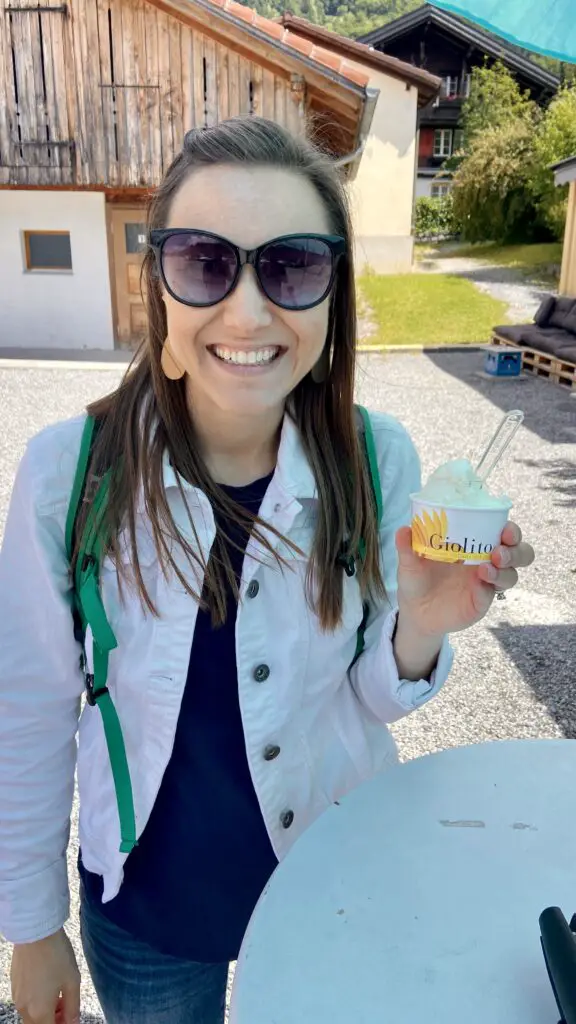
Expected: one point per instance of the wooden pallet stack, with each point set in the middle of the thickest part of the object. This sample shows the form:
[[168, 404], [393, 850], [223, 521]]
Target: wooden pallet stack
[[559, 371]]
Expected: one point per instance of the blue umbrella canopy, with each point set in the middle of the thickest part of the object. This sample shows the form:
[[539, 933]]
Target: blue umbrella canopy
[[545, 26]]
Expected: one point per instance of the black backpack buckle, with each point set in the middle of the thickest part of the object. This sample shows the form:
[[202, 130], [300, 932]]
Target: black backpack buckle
[[92, 695], [348, 563]]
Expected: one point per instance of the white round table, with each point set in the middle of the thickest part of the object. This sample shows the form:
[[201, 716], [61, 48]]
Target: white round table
[[417, 898]]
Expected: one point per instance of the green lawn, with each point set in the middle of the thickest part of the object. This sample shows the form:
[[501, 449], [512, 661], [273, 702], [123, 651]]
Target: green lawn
[[428, 309]]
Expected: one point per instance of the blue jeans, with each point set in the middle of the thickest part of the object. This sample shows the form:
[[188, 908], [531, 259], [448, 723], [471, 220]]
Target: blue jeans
[[136, 985]]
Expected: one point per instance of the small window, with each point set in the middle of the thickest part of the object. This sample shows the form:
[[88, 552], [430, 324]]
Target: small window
[[449, 87], [458, 140], [440, 189], [443, 142], [136, 237], [48, 250]]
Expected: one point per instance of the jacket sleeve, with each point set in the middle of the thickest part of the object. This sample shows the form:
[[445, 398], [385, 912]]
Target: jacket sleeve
[[375, 677], [40, 689]]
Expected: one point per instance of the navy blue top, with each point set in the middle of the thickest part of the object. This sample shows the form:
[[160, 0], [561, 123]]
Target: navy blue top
[[191, 884]]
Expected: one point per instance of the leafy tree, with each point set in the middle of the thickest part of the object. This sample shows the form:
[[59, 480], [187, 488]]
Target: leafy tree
[[493, 197], [503, 186], [555, 141], [495, 99]]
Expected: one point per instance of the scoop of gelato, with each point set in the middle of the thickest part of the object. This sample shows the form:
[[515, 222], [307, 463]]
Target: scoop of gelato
[[455, 483]]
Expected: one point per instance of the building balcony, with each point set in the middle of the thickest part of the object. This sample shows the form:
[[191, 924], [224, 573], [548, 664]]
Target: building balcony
[[447, 114]]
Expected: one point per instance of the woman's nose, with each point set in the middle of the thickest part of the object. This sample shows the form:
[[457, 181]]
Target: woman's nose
[[247, 308]]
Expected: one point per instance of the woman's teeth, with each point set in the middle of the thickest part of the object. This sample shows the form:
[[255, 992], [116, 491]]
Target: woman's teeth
[[255, 357]]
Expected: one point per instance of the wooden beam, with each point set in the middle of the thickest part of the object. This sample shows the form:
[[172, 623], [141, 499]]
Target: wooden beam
[[244, 73], [130, 166], [187, 63], [280, 98], [7, 103], [153, 98], [222, 81], [199, 80], [69, 90], [268, 80], [175, 28], [256, 78], [126, 195], [211, 82], [568, 275], [143, 93], [165, 82], [108, 95]]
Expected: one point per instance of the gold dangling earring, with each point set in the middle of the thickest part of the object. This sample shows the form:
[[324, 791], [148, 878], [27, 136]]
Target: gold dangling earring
[[321, 368], [170, 366]]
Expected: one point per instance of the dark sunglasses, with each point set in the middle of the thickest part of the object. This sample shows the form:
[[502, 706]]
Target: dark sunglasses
[[201, 269]]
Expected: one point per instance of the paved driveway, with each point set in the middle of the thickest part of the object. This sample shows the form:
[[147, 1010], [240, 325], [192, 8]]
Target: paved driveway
[[515, 673]]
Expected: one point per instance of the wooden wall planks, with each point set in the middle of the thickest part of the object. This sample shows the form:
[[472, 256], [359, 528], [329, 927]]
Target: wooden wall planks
[[114, 85]]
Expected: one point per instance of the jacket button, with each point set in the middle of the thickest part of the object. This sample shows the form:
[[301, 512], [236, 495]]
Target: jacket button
[[271, 752], [261, 673], [253, 588], [286, 818]]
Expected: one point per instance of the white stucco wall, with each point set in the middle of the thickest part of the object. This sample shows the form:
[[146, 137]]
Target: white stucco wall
[[55, 309], [423, 187], [382, 193]]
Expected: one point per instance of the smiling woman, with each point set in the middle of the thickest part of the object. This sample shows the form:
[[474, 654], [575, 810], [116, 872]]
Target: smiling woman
[[221, 561]]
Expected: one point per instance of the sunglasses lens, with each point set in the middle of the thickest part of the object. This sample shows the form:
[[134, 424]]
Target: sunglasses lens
[[198, 269], [296, 272]]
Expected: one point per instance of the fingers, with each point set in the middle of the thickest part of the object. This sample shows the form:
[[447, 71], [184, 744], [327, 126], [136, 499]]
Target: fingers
[[500, 579], [71, 1002], [517, 557], [407, 557], [404, 537], [511, 534]]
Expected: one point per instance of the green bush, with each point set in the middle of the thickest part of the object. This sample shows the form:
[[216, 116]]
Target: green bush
[[493, 199], [434, 218], [504, 189], [555, 141]]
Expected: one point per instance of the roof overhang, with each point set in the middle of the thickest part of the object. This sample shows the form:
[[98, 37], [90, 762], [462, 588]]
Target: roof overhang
[[427, 85], [565, 171], [467, 32]]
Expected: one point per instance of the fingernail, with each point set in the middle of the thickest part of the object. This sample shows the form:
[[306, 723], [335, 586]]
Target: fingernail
[[505, 558], [491, 573]]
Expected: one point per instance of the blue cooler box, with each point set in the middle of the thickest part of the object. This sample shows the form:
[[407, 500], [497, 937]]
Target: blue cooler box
[[503, 362]]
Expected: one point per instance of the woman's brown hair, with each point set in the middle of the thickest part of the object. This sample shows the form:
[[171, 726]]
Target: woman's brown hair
[[148, 416]]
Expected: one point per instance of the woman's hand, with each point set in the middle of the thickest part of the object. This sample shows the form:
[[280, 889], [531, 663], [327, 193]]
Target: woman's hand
[[436, 598], [46, 981]]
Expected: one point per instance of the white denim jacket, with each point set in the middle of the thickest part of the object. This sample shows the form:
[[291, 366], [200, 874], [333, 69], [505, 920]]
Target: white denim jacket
[[329, 722]]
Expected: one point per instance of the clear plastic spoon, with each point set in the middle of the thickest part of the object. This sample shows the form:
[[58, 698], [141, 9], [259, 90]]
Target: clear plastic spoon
[[498, 444]]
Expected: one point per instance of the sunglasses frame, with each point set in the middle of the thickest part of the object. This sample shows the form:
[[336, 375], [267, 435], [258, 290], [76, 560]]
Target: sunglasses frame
[[335, 243]]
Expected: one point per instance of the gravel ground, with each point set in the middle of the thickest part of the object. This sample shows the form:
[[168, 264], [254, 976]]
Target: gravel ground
[[514, 673], [509, 284]]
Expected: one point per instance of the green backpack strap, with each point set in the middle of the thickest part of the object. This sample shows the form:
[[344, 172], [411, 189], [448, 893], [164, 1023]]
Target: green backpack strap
[[369, 447], [89, 613]]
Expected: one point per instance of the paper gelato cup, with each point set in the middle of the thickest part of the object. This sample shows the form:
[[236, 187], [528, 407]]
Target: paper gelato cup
[[455, 533]]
